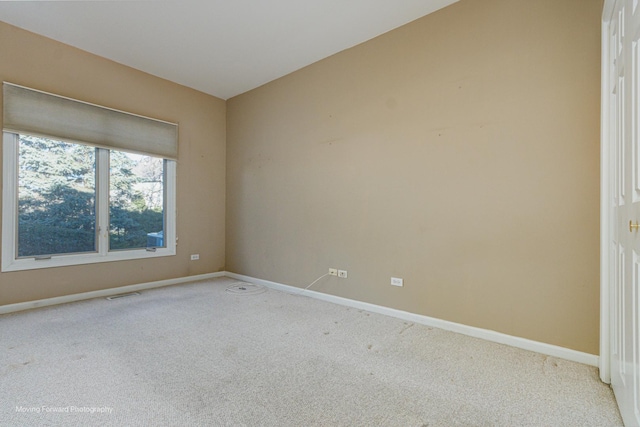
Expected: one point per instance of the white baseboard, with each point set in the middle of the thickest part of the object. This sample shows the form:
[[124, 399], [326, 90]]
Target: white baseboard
[[10, 308], [523, 343], [485, 334]]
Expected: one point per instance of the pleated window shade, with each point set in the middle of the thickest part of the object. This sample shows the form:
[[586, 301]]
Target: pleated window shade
[[33, 112]]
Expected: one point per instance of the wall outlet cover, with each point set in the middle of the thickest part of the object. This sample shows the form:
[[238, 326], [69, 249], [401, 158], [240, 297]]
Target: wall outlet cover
[[396, 281]]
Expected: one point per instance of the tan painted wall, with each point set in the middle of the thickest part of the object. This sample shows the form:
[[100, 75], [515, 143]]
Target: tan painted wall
[[41, 63], [459, 152]]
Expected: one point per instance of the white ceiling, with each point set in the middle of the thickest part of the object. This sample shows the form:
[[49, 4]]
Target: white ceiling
[[220, 47]]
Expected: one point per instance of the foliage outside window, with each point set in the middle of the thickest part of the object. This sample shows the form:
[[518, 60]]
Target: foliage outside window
[[57, 198], [60, 212], [136, 201]]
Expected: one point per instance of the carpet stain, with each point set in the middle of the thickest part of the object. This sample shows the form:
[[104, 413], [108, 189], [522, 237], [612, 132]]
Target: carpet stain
[[549, 365], [406, 328], [230, 351], [21, 364]]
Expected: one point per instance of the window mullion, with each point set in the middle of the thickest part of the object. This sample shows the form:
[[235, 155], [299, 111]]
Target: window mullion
[[102, 200]]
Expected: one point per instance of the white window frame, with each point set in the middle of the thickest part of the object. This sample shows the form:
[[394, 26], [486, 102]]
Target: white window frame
[[10, 260]]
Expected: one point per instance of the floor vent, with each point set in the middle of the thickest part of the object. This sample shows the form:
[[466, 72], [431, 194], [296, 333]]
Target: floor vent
[[244, 288], [130, 294]]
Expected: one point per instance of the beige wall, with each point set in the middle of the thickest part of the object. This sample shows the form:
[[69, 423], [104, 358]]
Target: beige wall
[[459, 152], [41, 63]]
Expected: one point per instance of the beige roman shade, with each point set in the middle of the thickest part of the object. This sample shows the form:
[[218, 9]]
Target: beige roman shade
[[34, 112]]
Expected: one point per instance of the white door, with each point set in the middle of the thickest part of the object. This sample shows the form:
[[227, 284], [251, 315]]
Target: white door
[[623, 60]]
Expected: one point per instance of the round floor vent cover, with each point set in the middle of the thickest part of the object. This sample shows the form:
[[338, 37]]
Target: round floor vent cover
[[243, 288]]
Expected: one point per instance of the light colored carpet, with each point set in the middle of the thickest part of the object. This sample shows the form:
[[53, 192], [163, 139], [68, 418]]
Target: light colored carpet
[[197, 355]]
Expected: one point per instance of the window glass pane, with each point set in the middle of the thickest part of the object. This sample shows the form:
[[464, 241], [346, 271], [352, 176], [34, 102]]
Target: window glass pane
[[56, 197], [136, 201]]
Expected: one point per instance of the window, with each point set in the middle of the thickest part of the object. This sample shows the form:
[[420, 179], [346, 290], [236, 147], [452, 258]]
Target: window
[[56, 197], [136, 201], [69, 202]]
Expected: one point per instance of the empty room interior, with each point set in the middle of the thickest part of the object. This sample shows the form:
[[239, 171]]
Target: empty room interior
[[402, 229]]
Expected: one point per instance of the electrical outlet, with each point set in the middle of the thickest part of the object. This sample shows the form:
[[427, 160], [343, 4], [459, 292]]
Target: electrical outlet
[[333, 272], [396, 281], [342, 274], [195, 257]]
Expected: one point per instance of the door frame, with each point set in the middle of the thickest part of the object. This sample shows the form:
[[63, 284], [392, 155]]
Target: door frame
[[606, 208]]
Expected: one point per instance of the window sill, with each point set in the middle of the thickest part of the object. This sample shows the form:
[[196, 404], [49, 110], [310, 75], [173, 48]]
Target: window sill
[[83, 259]]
